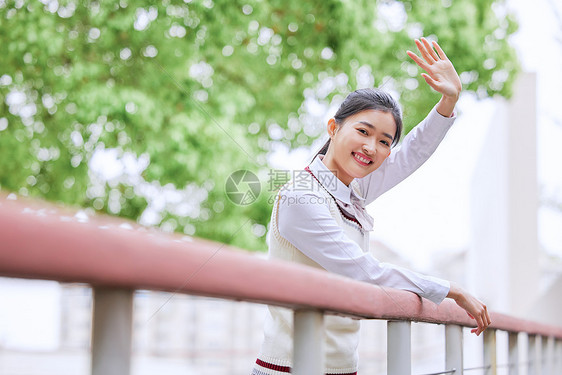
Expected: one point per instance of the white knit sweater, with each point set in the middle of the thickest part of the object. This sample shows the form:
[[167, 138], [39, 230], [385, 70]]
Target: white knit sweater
[[341, 333]]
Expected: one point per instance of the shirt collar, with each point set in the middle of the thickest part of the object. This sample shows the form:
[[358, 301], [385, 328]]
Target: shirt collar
[[333, 184]]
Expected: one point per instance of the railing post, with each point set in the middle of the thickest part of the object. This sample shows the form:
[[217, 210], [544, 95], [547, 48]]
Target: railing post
[[454, 349], [558, 355], [553, 355], [490, 358], [513, 354], [112, 327], [548, 356], [532, 357], [544, 355], [399, 347], [308, 352]]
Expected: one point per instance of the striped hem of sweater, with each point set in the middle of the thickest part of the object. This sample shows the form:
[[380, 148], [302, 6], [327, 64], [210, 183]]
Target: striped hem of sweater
[[266, 368]]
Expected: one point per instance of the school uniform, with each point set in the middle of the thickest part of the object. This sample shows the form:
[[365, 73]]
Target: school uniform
[[319, 221]]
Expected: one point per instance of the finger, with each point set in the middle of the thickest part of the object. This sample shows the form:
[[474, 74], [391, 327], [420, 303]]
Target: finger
[[476, 331], [430, 81], [486, 315], [423, 50], [422, 64], [484, 322], [481, 325], [440, 51], [430, 49], [479, 330]]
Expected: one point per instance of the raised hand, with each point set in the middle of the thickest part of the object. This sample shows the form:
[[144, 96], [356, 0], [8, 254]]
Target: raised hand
[[441, 74]]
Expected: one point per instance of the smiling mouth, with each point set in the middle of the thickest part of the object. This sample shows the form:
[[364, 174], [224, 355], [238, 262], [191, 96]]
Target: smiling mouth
[[361, 160]]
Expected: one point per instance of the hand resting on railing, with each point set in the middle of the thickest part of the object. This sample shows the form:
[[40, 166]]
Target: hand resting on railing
[[473, 307]]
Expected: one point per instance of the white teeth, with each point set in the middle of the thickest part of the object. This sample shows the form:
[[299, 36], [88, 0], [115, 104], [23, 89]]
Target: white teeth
[[361, 159]]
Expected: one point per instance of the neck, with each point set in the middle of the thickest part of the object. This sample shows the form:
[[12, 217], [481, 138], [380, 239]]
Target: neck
[[331, 164]]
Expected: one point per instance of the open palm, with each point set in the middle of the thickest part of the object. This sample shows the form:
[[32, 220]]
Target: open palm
[[441, 74]]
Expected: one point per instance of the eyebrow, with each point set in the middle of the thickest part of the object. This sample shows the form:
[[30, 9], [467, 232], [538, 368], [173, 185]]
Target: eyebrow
[[373, 127]]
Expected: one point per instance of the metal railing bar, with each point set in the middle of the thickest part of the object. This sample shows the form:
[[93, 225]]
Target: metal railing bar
[[442, 372], [540, 360], [509, 365], [478, 368], [161, 266], [487, 367]]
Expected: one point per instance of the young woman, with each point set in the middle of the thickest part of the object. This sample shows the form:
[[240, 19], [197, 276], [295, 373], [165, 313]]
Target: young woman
[[319, 217]]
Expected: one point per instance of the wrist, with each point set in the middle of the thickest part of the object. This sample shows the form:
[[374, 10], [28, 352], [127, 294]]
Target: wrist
[[446, 105], [451, 98], [455, 292]]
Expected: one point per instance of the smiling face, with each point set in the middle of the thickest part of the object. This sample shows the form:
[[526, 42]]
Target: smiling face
[[359, 145]]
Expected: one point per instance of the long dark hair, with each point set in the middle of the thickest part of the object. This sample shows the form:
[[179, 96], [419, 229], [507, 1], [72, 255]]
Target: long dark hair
[[365, 99]]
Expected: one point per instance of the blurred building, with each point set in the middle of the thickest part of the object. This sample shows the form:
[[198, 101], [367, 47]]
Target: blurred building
[[505, 263]]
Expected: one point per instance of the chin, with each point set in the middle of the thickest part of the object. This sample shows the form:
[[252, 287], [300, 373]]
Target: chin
[[361, 172], [361, 175]]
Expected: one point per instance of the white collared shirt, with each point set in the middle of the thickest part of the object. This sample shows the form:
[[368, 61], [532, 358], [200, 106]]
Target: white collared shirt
[[312, 229]]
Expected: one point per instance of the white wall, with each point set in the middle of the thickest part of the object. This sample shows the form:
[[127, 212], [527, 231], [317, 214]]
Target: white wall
[[503, 261]]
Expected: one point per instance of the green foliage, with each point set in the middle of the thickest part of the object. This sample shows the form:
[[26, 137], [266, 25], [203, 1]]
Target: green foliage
[[197, 86]]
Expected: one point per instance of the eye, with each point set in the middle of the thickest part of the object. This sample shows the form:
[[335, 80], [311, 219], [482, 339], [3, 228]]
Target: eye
[[386, 143], [362, 131]]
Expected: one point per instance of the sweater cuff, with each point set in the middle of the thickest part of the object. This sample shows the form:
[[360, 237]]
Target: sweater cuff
[[440, 290], [438, 115]]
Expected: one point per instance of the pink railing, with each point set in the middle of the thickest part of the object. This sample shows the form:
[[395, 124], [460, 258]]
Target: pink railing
[[116, 257]]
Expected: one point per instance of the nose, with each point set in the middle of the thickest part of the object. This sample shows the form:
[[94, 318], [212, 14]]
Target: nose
[[369, 149]]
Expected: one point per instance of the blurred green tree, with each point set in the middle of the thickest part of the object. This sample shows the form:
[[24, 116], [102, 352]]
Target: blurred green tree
[[143, 109]]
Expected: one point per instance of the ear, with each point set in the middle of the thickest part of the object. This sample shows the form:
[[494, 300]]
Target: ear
[[332, 127]]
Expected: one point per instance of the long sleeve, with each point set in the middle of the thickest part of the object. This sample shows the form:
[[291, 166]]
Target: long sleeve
[[305, 221], [415, 149]]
